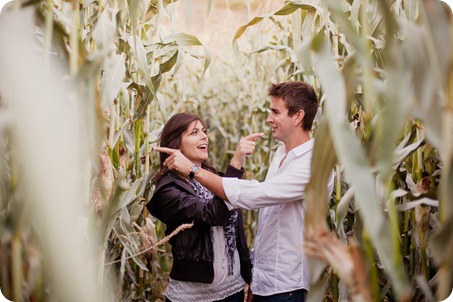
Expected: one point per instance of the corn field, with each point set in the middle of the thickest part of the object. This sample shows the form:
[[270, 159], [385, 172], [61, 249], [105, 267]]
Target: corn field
[[86, 86]]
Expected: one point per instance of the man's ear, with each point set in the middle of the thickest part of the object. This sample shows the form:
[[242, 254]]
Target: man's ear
[[299, 116]]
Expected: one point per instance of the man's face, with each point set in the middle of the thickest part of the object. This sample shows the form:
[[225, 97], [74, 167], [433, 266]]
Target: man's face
[[282, 124]]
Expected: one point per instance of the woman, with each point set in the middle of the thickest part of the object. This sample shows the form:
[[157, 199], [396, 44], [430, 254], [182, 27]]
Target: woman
[[210, 259]]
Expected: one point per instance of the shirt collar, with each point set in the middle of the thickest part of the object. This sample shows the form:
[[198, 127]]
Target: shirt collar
[[301, 149]]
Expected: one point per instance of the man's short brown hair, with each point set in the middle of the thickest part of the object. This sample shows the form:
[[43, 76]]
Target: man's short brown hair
[[297, 96]]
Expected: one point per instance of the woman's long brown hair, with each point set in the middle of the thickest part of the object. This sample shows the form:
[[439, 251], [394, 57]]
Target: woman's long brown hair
[[171, 137]]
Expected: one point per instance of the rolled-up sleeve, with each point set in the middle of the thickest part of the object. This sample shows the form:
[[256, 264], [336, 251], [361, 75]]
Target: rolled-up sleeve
[[286, 187], [231, 189], [283, 184]]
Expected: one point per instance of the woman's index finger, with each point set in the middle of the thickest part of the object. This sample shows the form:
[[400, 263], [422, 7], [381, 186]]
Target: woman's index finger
[[254, 136]]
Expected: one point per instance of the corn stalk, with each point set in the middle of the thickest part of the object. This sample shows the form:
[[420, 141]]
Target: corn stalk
[[375, 92]]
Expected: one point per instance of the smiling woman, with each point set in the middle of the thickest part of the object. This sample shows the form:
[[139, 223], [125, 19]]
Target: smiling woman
[[195, 143], [211, 259]]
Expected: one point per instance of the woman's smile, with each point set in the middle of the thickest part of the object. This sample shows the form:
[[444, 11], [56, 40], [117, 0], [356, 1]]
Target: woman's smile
[[195, 142]]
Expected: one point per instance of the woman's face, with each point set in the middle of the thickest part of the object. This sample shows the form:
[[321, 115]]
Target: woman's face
[[194, 143]]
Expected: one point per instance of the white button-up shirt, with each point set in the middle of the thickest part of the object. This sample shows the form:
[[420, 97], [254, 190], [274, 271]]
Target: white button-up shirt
[[279, 263]]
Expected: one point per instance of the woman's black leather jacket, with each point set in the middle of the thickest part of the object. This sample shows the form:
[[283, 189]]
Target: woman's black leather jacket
[[174, 202]]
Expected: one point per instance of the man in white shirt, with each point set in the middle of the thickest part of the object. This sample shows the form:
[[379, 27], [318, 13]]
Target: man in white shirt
[[280, 271]]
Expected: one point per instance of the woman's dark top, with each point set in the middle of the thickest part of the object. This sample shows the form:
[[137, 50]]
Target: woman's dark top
[[175, 202]]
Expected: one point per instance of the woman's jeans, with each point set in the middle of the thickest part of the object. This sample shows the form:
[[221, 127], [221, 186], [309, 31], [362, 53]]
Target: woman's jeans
[[237, 297], [294, 296]]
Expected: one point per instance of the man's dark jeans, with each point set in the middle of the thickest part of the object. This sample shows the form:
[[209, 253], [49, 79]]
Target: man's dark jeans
[[294, 296]]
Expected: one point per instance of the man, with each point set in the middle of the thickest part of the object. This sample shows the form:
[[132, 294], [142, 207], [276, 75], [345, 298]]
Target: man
[[280, 271]]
